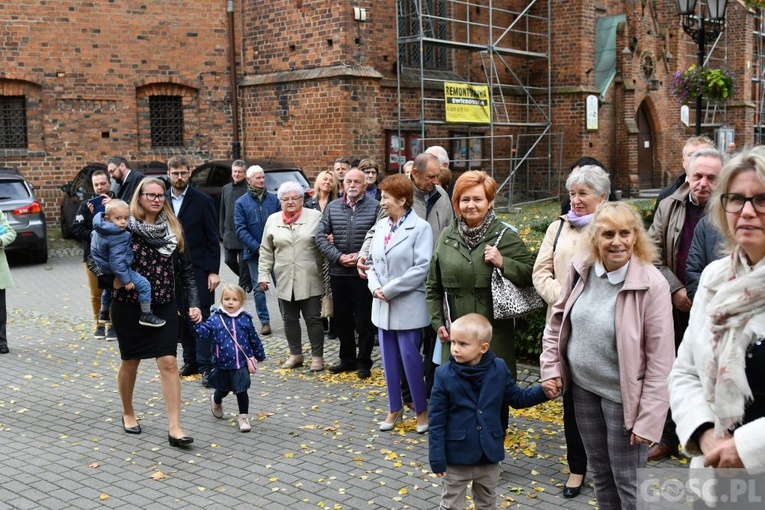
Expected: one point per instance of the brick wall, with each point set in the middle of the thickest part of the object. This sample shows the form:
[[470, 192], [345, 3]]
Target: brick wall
[[87, 69]]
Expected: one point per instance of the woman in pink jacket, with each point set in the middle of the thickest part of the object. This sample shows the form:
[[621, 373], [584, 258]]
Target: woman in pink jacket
[[616, 361]]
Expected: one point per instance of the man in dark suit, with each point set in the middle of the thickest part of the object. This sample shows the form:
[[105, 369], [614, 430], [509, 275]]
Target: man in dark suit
[[119, 170], [196, 212]]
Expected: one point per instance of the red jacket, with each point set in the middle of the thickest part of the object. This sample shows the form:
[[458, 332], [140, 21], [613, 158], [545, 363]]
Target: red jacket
[[644, 342]]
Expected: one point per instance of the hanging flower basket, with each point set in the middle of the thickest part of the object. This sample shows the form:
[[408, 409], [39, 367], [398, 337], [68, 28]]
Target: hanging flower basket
[[713, 84], [755, 4]]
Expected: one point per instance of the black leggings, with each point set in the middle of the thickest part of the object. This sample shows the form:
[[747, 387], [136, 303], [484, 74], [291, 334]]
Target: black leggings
[[243, 399]]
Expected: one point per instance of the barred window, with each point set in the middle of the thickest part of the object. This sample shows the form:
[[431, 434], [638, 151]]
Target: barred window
[[13, 122], [433, 27], [166, 118]]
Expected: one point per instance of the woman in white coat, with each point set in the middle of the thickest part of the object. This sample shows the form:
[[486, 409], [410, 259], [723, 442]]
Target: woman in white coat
[[7, 236], [399, 258], [289, 249], [717, 384]]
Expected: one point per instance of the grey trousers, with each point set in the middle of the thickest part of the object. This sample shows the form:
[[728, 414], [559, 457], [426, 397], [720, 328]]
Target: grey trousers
[[612, 459], [311, 310], [485, 479]]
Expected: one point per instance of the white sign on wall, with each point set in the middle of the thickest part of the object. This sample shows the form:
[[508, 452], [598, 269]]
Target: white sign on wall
[[685, 115], [592, 113]]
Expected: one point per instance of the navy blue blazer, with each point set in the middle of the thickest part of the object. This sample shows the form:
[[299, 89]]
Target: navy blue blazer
[[465, 428], [200, 229]]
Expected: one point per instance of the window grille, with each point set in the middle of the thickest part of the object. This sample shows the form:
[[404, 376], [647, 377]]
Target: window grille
[[166, 119], [13, 122], [433, 27]]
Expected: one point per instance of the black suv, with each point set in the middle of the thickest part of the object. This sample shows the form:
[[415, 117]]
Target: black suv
[[210, 177], [81, 188], [25, 215]]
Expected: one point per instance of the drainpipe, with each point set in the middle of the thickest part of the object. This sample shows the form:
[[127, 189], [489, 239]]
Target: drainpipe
[[236, 147]]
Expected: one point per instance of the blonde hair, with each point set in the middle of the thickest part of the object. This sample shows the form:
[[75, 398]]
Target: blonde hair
[[752, 160], [138, 212], [114, 205], [476, 324], [236, 289], [610, 214], [333, 192]]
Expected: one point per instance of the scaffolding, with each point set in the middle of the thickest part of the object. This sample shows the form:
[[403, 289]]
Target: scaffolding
[[715, 115], [502, 47], [758, 75]]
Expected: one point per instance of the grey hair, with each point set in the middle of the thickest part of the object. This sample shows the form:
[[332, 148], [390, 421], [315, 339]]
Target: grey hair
[[707, 152], [289, 187], [440, 153], [239, 162], [254, 169], [592, 176]]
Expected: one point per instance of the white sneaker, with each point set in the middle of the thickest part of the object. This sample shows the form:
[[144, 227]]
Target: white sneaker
[[244, 423], [217, 409]]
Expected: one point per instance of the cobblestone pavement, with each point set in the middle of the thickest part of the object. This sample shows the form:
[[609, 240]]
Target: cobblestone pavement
[[314, 442]]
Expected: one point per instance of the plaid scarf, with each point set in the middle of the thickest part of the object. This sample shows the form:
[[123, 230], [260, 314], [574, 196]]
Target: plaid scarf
[[158, 235]]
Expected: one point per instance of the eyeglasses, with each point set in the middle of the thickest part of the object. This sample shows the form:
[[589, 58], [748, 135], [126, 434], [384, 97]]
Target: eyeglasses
[[734, 203], [291, 199], [179, 174], [154, 197]]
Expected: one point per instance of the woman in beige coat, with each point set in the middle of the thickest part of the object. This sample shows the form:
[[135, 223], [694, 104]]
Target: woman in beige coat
[[289, 250], [7, 235], [587, 187]]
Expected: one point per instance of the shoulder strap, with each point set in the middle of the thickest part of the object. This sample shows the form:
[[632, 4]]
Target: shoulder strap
[[557, 235], [499, 237]]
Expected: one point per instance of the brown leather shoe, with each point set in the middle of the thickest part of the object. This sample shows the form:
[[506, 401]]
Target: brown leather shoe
[[661, 451], [265, 330]]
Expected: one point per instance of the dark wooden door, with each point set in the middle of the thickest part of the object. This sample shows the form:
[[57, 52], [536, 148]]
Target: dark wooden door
[[645, 149]]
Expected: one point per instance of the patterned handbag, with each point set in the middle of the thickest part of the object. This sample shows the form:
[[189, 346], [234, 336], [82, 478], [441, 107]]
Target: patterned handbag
[[510, 301]]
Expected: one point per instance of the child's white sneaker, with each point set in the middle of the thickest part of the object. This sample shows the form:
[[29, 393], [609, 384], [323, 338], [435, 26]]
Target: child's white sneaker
[[244, 423], [217, 409]]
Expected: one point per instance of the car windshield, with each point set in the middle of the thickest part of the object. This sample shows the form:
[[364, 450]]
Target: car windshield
[[12, 190], [276, 179]]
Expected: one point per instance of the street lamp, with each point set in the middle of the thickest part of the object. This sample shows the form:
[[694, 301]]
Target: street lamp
[[702, 28]]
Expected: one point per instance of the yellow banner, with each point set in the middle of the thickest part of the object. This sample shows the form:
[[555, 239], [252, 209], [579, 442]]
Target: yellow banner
[[467, 103]]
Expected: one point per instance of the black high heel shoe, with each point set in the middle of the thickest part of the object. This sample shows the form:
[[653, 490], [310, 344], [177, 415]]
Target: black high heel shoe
[[131, 430], [179, 441], [571, 492]]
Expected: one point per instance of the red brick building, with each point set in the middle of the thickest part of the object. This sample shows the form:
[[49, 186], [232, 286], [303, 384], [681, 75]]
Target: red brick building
[[83, 80]]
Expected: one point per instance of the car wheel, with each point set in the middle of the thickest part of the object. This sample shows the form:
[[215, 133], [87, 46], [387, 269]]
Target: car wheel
[[40, 256]]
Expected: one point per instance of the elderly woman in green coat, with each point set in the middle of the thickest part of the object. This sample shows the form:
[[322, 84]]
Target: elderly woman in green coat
[[7, 235], [464, 258]]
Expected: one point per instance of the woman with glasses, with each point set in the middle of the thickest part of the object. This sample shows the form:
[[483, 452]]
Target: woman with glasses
[[289, 250], [371, 170], [161, 255], [717, 384]]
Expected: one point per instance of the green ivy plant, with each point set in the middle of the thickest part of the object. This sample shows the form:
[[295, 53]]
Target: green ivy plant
[[755, 4]]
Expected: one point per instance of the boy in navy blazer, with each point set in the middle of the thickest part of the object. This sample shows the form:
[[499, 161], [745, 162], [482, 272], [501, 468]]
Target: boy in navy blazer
[[466, 437]]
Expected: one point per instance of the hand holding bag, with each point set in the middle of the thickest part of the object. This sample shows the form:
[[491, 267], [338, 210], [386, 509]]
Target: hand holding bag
[[510, 301]]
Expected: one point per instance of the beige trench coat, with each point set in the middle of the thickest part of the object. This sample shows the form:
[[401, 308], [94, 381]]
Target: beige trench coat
[[291, 252]]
